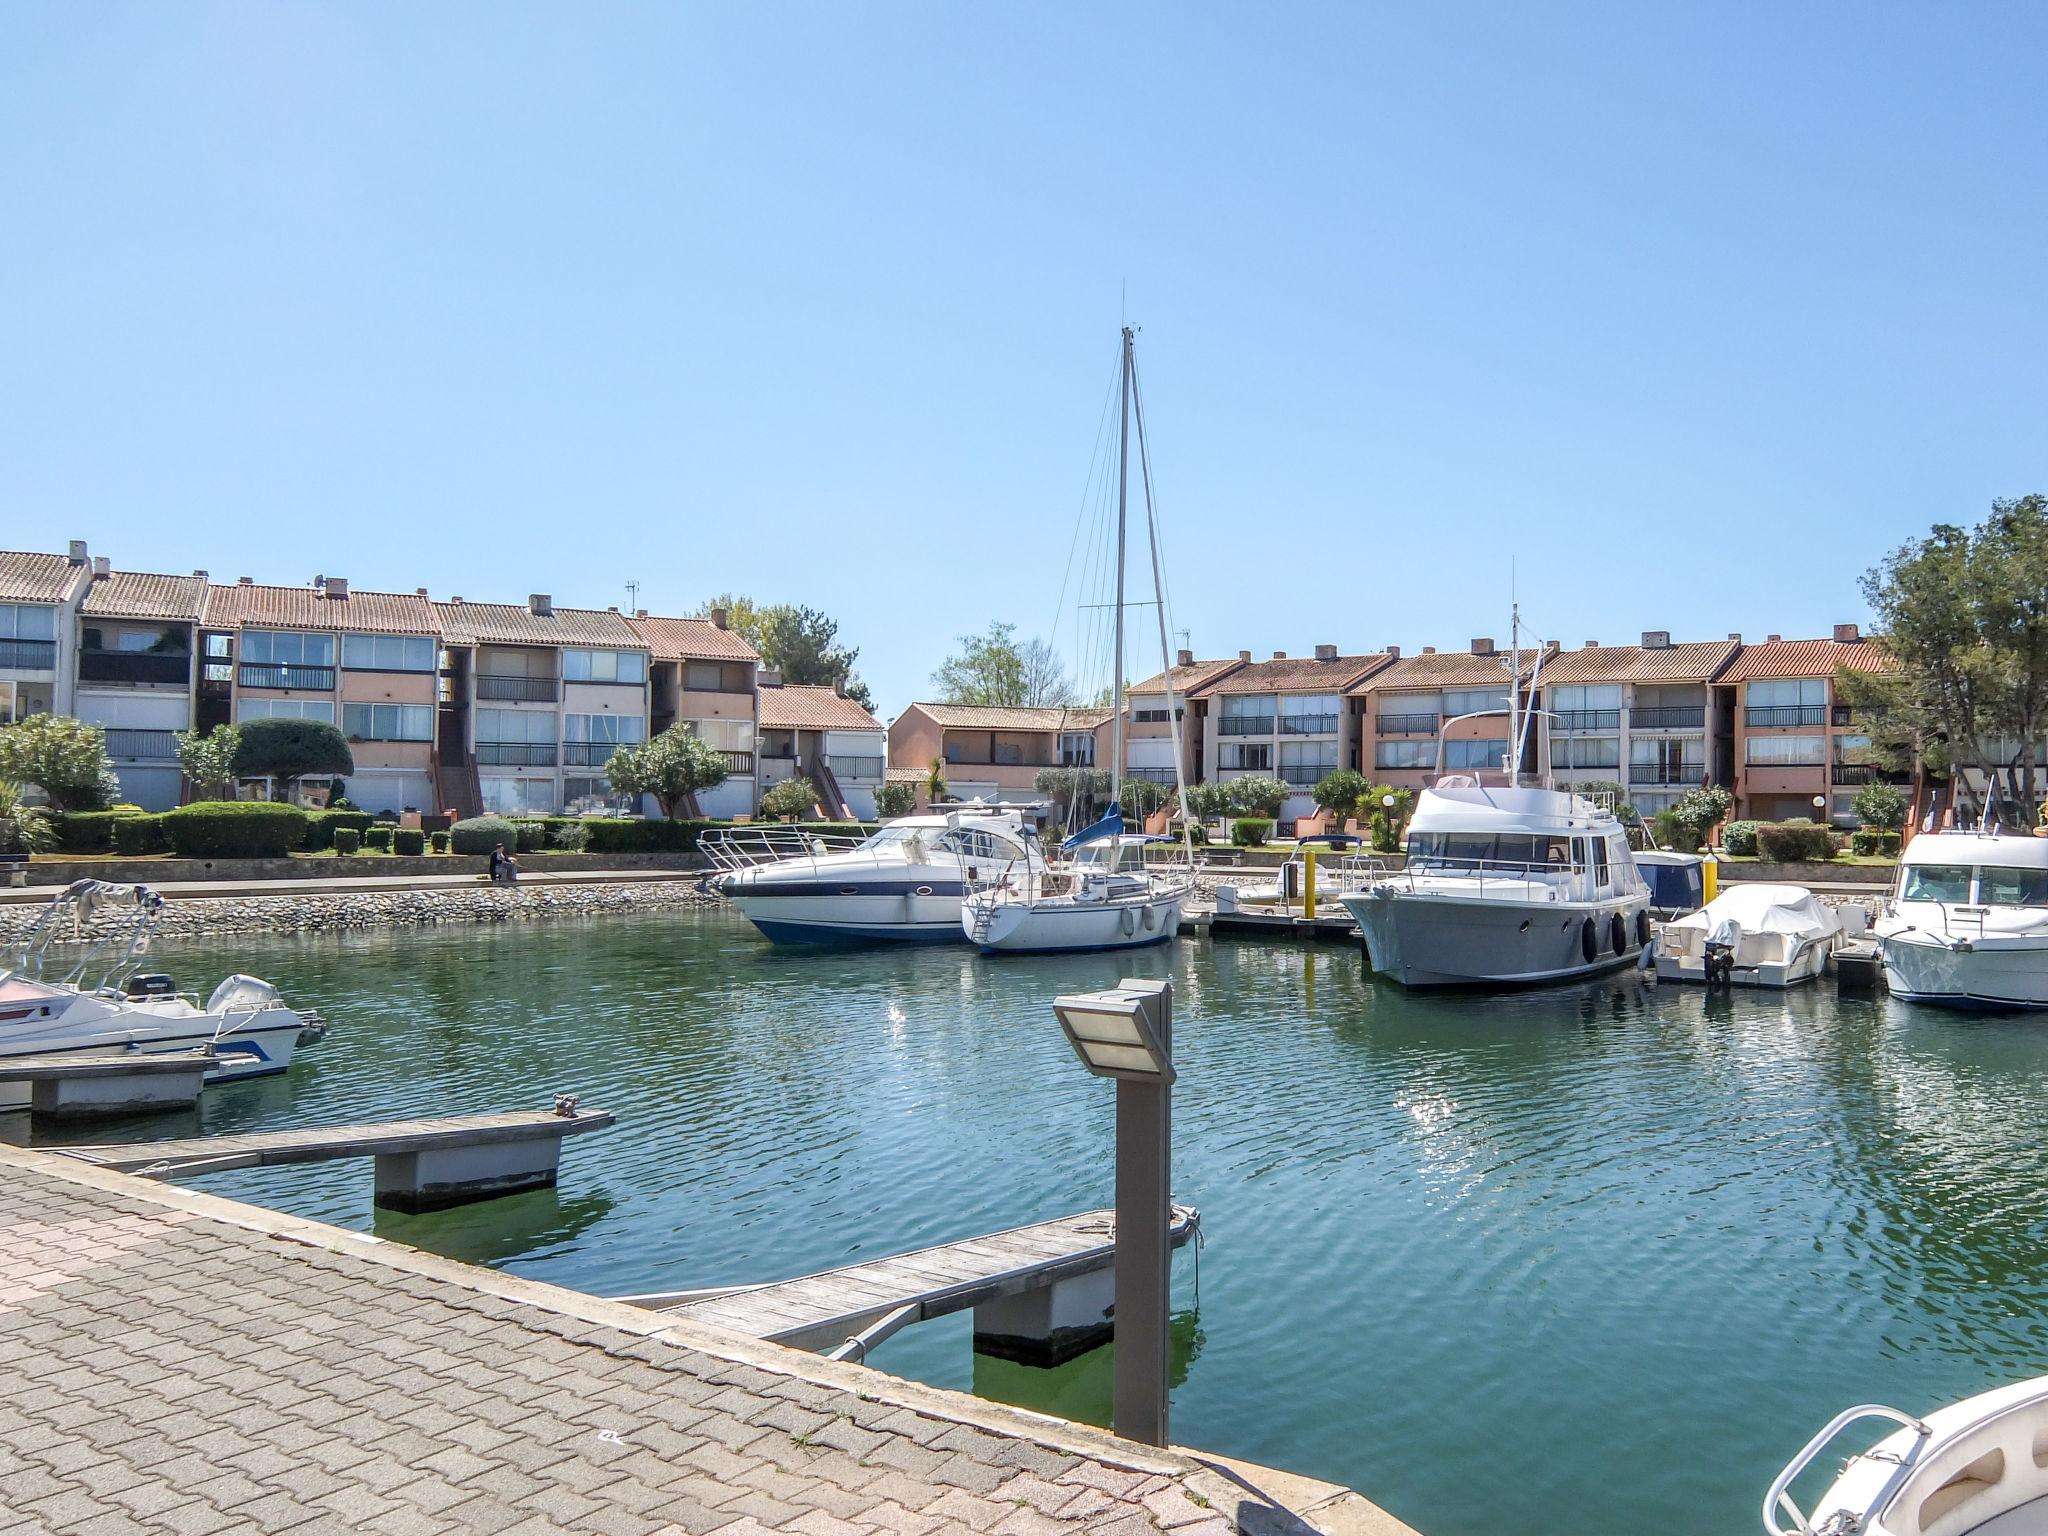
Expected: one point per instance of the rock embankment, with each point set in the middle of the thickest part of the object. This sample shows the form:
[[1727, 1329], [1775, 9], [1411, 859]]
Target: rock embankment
[[343, 911]]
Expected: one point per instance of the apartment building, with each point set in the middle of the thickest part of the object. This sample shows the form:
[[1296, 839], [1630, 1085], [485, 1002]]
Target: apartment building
[[821, 735], [1795, 745], [365, 662], [995, 752], [135, 661], [1400, 708], [1284, 718], [1648, 716], [708, 678], [39, 595], [1149, 725]]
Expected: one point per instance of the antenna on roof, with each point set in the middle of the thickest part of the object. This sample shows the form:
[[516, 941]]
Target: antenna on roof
[[632, 596]]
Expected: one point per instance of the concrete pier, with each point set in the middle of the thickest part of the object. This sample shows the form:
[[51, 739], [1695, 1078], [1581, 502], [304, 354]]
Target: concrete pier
[[86, 1087], [171, 1361]]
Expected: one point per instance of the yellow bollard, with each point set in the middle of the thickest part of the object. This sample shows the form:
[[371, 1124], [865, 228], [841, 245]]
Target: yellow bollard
[[1710, 879], [1308, 883]]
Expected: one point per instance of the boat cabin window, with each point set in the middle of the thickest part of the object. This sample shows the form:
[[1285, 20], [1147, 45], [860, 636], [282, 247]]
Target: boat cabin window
[[1936, 882], [1489, 849], [1600, 870], [972, 843], [889, 837], [1999, 887]]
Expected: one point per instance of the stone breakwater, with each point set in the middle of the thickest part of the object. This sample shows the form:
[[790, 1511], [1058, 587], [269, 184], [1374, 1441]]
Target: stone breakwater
[[349, 911]]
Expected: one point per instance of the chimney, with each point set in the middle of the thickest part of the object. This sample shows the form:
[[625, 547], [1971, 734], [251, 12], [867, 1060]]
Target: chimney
[[200, 574], [1772, 639], [639, 613], [1482, 647], [102, 568], [1735, 635], [245, 581], [1845, 634], [1394, 651], [768, 677], [1591, 645], [1244, 655], [337, 588], [611, 608], [1656, 639], [78, 556], [539, 604], [454, 600], [1429, 650], [1326, 653], [839, 688], [718, 618], [419, 591], [1279, 655], [1184, 658]]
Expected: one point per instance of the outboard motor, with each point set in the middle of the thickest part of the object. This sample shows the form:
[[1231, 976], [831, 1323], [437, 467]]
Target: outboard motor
[[150, 984], [1720, 951]]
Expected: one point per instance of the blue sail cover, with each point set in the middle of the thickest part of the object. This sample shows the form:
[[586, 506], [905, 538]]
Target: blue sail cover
[[1111, 825]]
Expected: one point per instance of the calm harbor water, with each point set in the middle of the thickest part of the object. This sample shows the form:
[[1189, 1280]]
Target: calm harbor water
[[1593, 1259]]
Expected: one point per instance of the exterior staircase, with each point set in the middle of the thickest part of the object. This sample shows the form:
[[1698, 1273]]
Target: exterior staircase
[[834, 807], [457, 788]]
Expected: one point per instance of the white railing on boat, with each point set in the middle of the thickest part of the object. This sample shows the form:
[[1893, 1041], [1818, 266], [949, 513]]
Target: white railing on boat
[[1779, 1499], [748, 847]]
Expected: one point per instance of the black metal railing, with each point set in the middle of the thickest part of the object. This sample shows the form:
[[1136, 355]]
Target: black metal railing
[[1647, 773], [1244, 725], [1667, 717], [1406, 725], [1308, 725], [855, 767], [1589, 719], [1303, 778], [1785, 714], [280, 674], [1150, 775], [133, 667], [127, 743], [516, 754], [590, 754], [1035, 760], [29, 655], [515, 688]]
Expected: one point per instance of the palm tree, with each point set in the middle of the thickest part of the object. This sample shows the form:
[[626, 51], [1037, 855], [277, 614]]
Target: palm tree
[[24, 828]]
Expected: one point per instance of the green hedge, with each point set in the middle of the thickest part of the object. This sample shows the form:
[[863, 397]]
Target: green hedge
[[622, 835], [378, 839], [1869, 841], [531, 833], [322, 825], [144, 834], [409, 841], [235, 829], [439, 841], [480, 834], [1739, 838], [1795, 842], [1251, 831], [348, 841], [88, 831]]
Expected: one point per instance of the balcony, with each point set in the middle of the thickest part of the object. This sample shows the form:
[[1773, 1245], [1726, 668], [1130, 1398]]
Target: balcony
[[134, 667], [141, 746], [1298, 777], [1244, 725], [1033, 760], [1589, 719], [506, 687], [1406, 725], [29, 655], [1654, 776], [1785, 714], [1668, 717], [1308, 725], [855, 767], [278, 674], [515, 754], [591, 754], [1151, 775], [1856, 775], [738, 762]]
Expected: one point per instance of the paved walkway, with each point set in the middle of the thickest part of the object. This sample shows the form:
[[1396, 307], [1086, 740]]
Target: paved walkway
[[185, 890], [175, 1362]]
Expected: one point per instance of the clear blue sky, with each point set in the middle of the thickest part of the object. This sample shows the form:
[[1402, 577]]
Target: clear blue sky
[[1691, 312]]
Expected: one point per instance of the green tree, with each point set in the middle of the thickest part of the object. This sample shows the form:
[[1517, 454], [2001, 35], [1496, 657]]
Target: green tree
[[208, 761], [1702, 808], [1340, 791], [1143, 797], [993, 668], [894, 799], [64, 758], [1258, 796], [1079, 790], [800, 643], [1208, 801], [1881, 806], [24, 828], [935, 787], [791, 798], [286, 751], [1389, 822], [674, 767]]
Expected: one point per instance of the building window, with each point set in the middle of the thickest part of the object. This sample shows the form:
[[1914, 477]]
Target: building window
[[284, 709], [732, 735], [1246, 757], [1404, 754], [1474, 756], [1077, 749], [1309, 714], [21, 621], [289, 648], [1786, 701], [716, 677], [388, 653], [1666, 760], [1585, 708], [1150, 716], [1302, 763], [590, 740], [1784, 751], [1586, 751], [515, 797], [509, 725], [387, 722], [1473, 701], [605, 666]]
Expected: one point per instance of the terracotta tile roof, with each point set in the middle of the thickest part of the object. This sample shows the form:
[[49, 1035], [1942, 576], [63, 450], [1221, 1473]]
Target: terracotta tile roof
[[1446, 669], [261, 607], [799, 707], [691, 640], [897, 775], [145, 595], [1295, 674], [26, 577], [516, 624], [1692, 663], [1185, 679], [1807, 658], [995, 717]]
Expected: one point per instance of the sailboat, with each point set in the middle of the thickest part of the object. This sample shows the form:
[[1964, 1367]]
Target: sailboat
[[1108, 891]]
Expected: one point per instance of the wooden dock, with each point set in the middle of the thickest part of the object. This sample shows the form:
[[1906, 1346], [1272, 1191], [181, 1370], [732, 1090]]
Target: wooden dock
[[421, 1164], [79, 1085], [1331, 923], [865, 1302]]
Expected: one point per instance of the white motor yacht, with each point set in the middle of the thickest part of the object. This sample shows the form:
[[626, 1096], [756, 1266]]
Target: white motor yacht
[[1967, 926], [902, 884], [1753, 935], [1974, 1468], [100, 1004]]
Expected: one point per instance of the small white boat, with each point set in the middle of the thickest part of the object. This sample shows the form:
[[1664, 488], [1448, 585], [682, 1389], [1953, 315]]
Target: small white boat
[[1338, 871], [1975, 1468], [903, 884], [1967, 925], [1106, 897], [1751, 935], [244, 1022]]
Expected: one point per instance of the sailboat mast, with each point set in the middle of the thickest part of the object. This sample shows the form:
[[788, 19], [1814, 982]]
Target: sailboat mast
[[1514, 762], [1123, 492]]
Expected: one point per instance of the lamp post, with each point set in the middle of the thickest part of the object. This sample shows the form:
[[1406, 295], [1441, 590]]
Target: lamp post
[[1126, 1033], [1820, 809]]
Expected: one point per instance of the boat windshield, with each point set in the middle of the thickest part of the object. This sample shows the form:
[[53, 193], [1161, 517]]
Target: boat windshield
[[1999, 887], [1936, 882], [1489, 851]]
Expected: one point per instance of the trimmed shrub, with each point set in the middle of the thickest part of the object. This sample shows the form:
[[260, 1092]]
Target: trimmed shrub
[[322, 825], [1794, 842], [86, 831], [235, 829], [792, 797], [624, 835], [895, 799], [573, 836], [1739, 838], [1874, 841], [531, 834], [480, 834], [140, 834], [348, 840], [1251, 831], [438, 841], [410, 841], [378, 839], [1881, 807]]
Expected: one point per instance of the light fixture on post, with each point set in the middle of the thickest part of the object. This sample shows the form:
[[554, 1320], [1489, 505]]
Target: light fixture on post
[[1126, 1033], [1820, 809]]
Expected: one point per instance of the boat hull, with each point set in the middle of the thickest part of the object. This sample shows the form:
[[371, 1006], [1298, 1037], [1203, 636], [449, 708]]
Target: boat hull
[[262, 1050], [1434, 941], [1988, 975], [925, 913], [1021, 928], [1807, 966]]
